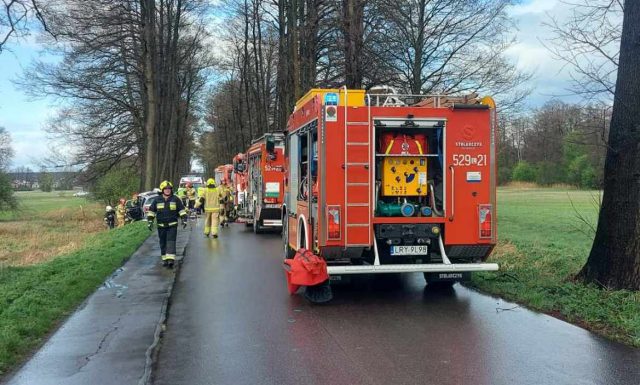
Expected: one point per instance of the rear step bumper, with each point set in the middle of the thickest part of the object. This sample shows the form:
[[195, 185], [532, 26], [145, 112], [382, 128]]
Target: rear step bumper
[[272, 222], [429, 268]]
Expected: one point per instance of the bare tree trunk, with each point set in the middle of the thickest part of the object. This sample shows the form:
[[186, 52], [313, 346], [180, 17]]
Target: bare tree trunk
[[148, 10], [614, 261], [353, 30]]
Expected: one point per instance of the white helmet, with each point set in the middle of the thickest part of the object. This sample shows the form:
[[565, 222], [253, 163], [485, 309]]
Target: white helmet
[[108, 208]]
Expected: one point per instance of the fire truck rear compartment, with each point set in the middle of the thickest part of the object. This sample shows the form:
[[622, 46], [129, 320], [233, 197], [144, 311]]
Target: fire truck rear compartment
[[409, 173]]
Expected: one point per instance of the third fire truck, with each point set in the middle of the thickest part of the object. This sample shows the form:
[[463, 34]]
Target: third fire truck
[[385, 183]]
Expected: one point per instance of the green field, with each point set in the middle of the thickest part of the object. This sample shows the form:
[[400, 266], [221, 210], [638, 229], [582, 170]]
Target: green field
[[55, 251], [544, 239], [33, 203]]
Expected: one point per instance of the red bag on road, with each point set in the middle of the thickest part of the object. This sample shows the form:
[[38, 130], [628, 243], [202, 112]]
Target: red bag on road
[[305, 269]]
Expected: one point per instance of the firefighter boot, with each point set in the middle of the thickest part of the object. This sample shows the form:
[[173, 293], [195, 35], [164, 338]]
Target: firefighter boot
[[215, 218]]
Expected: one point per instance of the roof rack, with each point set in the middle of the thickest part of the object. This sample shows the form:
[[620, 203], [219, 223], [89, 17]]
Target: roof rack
[[276, 134], [392, 99]]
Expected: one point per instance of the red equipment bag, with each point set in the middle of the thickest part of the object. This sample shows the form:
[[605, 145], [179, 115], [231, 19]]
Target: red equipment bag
[[393, 143], [305, 269]]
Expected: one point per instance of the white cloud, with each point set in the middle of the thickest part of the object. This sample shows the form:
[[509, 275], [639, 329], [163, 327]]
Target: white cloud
[[550, 79], [533, 7]]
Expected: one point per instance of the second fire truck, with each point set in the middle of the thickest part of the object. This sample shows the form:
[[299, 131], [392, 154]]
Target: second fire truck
[[259, 179]]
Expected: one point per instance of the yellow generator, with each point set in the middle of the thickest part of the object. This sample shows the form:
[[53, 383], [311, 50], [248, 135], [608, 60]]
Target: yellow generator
[[404, 169], [404, 176]]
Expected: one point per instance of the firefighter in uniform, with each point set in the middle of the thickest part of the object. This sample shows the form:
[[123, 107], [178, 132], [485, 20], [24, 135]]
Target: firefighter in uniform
[[211, 202], [121, 212], [191, 196], [166, 210]]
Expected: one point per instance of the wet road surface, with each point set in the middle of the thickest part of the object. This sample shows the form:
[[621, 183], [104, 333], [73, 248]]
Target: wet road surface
[[232, 321]]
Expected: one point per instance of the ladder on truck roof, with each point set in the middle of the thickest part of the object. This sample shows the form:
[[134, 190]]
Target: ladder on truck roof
[[357, 178]]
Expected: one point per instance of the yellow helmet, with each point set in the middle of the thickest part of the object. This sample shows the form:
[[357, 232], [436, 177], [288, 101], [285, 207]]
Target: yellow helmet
[[166, 184], [211, 182]]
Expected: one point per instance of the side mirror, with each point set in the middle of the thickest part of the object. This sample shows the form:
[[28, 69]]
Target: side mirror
[[271, 144]]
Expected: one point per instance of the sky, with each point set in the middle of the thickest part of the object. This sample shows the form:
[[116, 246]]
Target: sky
[[26, 118]]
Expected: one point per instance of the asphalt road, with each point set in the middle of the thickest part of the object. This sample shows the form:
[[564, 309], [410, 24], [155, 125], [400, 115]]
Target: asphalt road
[[232, 321]]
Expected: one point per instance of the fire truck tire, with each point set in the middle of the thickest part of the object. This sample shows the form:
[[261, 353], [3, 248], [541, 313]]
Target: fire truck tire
[[257, 223], [437, 284], [257, 227], [303, 236], [288, 251]]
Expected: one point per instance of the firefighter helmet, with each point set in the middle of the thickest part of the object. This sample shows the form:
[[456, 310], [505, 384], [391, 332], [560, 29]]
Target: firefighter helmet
[[166, 184], [108, 208], [188, 185], [211, 182]]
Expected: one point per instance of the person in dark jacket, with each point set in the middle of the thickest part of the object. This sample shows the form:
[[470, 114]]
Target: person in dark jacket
[[166, 210]]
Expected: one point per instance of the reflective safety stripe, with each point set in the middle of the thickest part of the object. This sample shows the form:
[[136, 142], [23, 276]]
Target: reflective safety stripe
[[167, 224], [160, 205], [171, 257], [173, 206], [151, 214], [215, 210], [182, 212]]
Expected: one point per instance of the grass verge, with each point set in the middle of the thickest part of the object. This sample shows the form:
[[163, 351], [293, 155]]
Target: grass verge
[[544, 241], [33, 299]]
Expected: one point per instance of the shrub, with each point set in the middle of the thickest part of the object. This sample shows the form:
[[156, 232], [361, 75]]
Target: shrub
[[115, 184], [523, 172], [7, 199]]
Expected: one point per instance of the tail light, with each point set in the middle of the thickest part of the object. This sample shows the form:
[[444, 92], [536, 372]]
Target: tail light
[[333, 222], [270, 200], [485, 221]]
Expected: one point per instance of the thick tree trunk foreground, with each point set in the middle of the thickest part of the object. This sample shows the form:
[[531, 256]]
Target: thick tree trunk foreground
[[614, 260]]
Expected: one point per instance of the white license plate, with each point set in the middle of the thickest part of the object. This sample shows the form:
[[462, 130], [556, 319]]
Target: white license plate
[[409, 250]]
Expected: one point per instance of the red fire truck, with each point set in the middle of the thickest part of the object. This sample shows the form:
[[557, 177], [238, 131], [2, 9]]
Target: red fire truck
[[239, 180], [263, 166], [223, 174], [388, 183]]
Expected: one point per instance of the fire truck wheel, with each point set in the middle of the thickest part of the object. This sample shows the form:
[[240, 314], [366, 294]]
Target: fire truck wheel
[[257, 227], [437, 285], [288, 251]]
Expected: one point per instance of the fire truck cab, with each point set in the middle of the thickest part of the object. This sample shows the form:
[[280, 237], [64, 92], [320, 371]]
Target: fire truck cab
[[388, 183], [264, 167], [222, 174]]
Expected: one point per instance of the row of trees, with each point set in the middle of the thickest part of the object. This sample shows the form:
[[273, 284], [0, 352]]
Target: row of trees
[[276, 50], [129, 78], [557, 143]]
